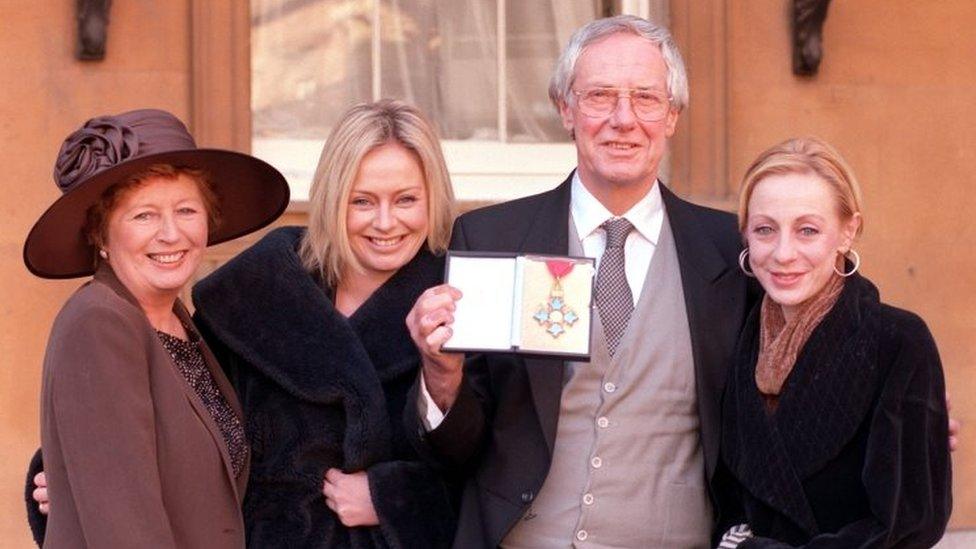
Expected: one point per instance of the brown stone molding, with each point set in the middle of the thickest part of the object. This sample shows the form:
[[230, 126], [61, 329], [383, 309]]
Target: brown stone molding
[[699, 149], [221, 73], [220, 109]]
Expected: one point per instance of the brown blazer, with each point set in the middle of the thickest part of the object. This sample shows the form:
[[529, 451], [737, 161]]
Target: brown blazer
[[133, 458]]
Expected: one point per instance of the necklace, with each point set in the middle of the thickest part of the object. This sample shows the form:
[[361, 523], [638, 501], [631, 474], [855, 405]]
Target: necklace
[[554, 316]]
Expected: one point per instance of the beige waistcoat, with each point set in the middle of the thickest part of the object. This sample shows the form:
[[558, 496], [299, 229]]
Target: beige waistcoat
[[627, 467]]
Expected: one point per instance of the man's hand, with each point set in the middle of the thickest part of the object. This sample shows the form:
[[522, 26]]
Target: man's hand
[[348, 496], [429, 323], [40, 493]]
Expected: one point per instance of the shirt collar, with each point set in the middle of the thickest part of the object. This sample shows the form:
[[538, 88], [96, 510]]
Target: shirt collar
[[647, 215]]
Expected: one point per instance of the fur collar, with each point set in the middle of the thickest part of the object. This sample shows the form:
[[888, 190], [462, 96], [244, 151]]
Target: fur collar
[[824, 402], [267, 309]]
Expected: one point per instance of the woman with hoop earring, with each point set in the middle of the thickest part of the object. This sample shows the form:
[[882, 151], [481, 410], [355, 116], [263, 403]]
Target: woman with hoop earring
[[834, 428]]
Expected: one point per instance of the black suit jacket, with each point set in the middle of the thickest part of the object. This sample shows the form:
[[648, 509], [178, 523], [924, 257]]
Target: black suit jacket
[[501, 429]]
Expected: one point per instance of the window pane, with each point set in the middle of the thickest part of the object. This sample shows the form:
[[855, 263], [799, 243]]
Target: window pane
[[310, 60], [313, 59], [537, 31], [442, 57]]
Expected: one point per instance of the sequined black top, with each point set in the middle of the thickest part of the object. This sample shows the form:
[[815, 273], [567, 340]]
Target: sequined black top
[[189, 359]]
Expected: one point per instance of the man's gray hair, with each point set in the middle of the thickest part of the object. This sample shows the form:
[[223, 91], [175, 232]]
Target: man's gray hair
[[561, 83]]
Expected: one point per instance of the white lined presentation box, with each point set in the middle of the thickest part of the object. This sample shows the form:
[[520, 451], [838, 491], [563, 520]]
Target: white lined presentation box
[[531, 304]]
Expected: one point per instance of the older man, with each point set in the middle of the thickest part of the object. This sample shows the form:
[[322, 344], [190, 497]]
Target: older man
[[616, 452]]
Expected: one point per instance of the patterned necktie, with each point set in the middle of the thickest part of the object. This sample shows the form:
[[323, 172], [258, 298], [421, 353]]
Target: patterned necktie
[[614, 299]]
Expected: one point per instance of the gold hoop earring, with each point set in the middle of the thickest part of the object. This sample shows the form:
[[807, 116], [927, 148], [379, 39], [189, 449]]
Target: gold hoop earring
[[743, 255], [857, 264]]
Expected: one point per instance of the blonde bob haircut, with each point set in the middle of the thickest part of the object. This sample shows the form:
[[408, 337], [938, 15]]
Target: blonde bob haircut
[[325, 247], [804, 155]]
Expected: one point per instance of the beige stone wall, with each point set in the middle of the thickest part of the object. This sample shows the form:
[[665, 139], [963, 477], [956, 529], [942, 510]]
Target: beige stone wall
[[45, 94], [895, 94]]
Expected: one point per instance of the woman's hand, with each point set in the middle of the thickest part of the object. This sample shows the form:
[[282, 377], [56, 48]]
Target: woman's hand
[[429, 323], [40, 493], [954, 427], [348, 496]]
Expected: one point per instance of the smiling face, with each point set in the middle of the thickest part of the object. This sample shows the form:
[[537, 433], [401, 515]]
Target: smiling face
[[619, 153], [155, 237], [796, 236], [386, 216]]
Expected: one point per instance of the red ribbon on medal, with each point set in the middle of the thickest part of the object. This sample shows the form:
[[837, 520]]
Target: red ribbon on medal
[[559, 268]]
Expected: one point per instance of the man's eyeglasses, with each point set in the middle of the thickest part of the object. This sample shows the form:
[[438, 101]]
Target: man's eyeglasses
[[648, 105]]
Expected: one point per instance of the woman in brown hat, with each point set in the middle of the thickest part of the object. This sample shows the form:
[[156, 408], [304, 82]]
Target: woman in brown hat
[[141, 432]]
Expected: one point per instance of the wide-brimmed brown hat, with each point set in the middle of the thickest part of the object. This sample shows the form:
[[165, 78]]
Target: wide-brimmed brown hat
[[111, 149]]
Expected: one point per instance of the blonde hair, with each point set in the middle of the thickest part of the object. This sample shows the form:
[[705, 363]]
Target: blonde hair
[[325, 247], [804, 155]]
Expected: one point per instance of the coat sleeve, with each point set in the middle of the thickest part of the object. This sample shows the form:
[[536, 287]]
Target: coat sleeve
[[459, 438], [103, 417], [907, 472], [413, 504], [457, 441]]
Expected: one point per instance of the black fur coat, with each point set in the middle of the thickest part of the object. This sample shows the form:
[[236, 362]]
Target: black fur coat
[[321, 391], [856, 453]]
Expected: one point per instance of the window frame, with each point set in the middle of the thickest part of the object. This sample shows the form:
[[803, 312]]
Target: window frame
[[481, 171]]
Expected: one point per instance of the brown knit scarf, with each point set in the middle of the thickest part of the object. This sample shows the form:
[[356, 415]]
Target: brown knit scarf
[[780, 341]]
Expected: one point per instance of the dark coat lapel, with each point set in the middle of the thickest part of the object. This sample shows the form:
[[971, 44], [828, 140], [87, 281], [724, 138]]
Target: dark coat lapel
[[548, 234], [107, 276], [380, 321], [824, 402], [836, 377], [697, 252], [309, 351], [762, 462], [300, 341], [714, 299]]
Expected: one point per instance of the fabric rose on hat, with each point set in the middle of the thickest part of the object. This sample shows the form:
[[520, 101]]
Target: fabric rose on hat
[[100, 144]]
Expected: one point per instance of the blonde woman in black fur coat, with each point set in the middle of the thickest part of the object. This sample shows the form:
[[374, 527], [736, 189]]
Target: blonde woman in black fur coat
[[309, 325]]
